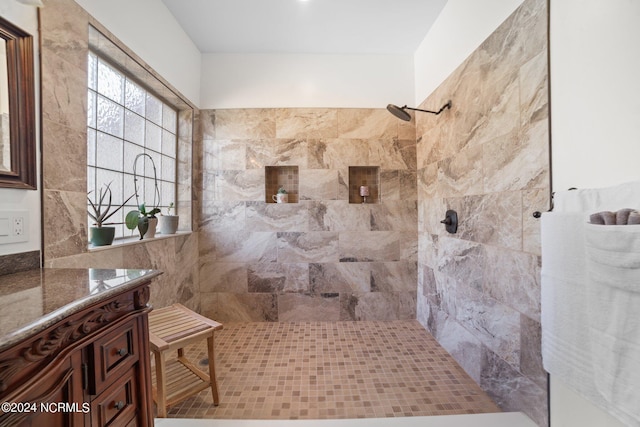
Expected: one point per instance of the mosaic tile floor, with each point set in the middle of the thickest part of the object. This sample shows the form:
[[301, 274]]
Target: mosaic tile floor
[[326, 370]]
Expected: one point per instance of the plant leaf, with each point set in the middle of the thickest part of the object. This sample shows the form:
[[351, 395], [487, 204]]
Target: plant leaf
[[131, 220], [143, 226]]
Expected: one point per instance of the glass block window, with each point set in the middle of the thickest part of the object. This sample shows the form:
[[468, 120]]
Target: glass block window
[[124, 121]]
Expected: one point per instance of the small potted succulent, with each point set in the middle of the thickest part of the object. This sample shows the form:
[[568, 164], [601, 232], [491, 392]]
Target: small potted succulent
[[145, 221], [168, 223], [281, 196], [100, 211]]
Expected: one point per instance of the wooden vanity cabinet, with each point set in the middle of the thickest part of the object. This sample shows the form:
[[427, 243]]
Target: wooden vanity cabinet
[[88, 369]]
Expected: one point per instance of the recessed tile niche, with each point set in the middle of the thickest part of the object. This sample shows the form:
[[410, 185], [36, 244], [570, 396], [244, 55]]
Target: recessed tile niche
[[281, 176], [364, 175]]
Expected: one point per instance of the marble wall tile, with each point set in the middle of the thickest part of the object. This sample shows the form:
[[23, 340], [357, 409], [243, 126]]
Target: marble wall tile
[[511, 390], [338, 215], [209, 305], [308, 308], [366, 123], [394, 215], [461, 344], [245, 246], [372, 246], [65, 223], [496, 325], [463, 260], [390, 185], [514, 165], [427, 284], [189, 124], [251, 307], [253, 123], [208, 187], [239, 185], [400, 276], [341, 277], [434, 144], [407, 130], [262, 216], [228, 277], [407, 305], [428, 247], [221, 154], [208, 124], [461, 174], [531, 352], [158, 255], [64, 32], [408, 184], [64, 158], [533, 84], [432, 211], [104, 258], [408, 245], [278, 277], [427, 182], [333, 153], [64, 93], [392, 153], [318, 184], [513, 278], [493, 219], [315, 246], [306, 123], [532, 201], [277, 152], [369, 306], [187, 270], [223, 215]]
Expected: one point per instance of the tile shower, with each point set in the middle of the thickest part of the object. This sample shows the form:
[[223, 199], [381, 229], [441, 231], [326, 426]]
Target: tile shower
[[479, 290], [321, 258]]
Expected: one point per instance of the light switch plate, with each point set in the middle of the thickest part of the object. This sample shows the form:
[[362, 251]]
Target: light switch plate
[[14, 226]]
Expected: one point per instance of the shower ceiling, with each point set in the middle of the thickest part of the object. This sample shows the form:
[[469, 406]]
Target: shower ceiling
[[312, 26]]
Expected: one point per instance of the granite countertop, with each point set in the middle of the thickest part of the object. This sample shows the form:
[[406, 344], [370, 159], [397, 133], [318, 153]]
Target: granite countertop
[[33, 300]]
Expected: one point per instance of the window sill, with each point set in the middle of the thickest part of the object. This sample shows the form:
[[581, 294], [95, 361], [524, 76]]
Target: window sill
[[135, 240]]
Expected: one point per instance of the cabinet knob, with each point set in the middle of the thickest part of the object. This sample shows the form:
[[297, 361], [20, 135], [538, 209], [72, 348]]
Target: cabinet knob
[[123, 352], [118, 405]]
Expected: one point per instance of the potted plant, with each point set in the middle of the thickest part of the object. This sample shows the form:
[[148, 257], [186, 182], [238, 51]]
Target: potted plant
[[168, 223], [100, 211], [281, 196], [145, 221]]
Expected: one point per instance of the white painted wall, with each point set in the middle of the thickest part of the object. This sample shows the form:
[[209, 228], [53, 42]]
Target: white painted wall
[[148, 28], [461, 27], [595, 92], [292, 80], [25, 17], [595, 111]]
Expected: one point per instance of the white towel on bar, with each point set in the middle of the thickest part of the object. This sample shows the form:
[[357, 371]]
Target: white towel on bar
[[592, 200], [564, 316], [613, 283]]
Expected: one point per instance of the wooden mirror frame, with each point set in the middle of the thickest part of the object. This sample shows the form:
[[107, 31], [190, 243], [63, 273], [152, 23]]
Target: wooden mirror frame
[[21, 108]]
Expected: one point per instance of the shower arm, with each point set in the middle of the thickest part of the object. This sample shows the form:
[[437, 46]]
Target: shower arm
[[444, 107]]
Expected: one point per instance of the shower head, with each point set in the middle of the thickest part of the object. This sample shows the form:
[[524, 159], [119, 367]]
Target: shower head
[[401, 113]]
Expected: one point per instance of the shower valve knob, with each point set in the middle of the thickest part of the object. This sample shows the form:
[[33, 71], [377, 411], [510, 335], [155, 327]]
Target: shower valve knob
[[451, 221]]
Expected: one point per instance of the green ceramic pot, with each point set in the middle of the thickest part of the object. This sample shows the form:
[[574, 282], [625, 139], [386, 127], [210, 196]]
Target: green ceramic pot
[[101, 236]]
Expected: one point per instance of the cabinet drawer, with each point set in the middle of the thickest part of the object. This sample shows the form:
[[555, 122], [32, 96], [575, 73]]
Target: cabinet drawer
[[117, 404], [112, 355]]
